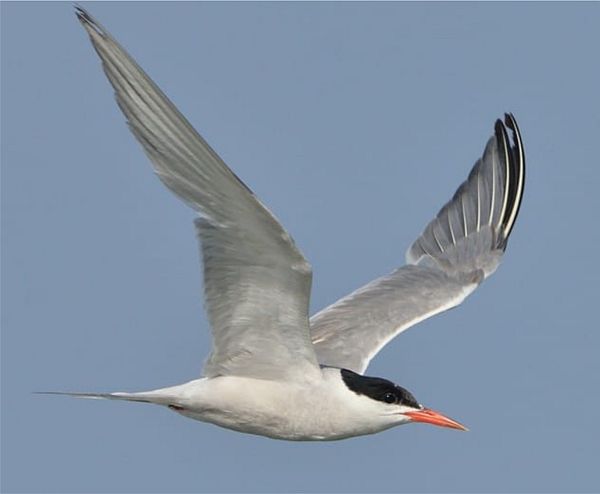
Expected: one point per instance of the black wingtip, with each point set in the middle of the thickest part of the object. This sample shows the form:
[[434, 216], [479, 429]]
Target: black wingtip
[[87, 20], [509, 120], [81, 13], [516, 158], [518, 155], [501, 133]]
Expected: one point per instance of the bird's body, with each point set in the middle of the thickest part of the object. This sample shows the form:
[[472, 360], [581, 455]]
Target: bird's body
[[322, 409], [314, 410], [274, 371]]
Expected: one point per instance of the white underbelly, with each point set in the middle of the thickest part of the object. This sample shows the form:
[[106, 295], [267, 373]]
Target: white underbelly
[[277, 410]]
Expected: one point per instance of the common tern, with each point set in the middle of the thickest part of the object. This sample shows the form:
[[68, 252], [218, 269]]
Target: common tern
[[274, 371]]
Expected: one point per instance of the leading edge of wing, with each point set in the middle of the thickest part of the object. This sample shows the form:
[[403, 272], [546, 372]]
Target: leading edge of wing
[[458, 249], [247, 254], [350, 332]]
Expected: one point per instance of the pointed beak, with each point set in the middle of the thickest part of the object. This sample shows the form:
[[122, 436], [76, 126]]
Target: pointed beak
[[431, 417]]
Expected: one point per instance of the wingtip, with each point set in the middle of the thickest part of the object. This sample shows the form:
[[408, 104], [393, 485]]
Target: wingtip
[[81, 13], [516, 156], [500, 128], [510, 121], [87, 20]]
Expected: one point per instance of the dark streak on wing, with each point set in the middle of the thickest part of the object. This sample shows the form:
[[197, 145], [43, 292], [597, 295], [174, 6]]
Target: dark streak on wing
[[515, 157], [517, 161]]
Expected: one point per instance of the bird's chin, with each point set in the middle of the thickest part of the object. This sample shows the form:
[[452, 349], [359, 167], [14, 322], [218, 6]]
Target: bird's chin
[[428, 416]]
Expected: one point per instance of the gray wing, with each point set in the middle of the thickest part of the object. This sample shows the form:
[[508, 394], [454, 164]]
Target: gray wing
[[256, 281], [461, 247]]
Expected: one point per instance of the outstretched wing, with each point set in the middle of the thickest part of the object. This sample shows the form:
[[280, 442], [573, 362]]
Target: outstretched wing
[[256, 281], [461, 247]]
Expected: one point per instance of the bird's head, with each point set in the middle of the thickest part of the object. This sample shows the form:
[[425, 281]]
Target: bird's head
[[393, 403]]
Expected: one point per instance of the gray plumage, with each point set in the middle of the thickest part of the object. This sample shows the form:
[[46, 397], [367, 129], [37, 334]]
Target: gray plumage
[[257, 282], [459, 248]]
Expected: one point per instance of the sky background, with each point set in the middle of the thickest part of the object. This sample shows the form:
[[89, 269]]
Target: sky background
[[354, 123]]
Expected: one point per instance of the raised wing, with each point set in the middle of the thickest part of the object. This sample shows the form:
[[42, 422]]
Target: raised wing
[[256, 281], [459, 248]]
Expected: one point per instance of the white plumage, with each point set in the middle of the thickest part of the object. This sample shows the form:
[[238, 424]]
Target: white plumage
[[272, 370]]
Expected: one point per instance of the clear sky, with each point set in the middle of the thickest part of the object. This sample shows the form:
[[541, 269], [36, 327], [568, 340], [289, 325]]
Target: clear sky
[[354, 123]]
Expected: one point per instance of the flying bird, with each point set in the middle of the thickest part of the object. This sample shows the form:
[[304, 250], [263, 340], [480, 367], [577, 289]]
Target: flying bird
[[274, 371]]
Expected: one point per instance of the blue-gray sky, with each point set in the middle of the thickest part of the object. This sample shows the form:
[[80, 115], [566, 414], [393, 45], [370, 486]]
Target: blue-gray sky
[[354, 123]]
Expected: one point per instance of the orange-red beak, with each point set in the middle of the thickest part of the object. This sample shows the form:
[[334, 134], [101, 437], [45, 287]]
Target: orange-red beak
[[435, 418]]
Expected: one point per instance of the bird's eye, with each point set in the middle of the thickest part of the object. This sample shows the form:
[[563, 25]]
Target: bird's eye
[[390, 398]]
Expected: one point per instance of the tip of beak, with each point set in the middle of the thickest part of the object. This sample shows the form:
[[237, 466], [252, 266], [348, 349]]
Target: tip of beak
[[435, 418]]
